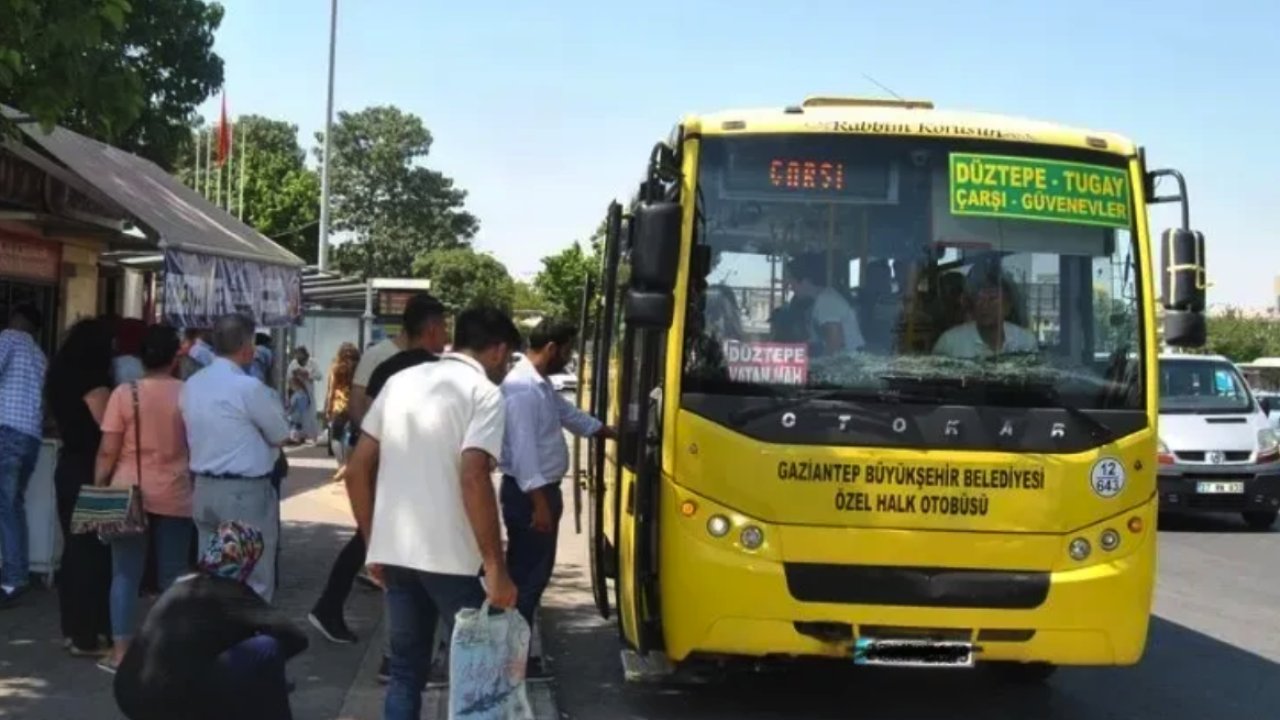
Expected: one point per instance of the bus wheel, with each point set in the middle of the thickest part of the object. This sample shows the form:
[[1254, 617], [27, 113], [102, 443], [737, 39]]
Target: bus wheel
[[1033, 673], [1261, 520]]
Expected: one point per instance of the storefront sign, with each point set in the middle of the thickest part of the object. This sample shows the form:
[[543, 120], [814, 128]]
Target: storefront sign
[[29, 259], [200, 288], [1034, 189]]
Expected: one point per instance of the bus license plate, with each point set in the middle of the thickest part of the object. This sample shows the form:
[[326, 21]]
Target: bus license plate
[[913, 653], [1220, 488]]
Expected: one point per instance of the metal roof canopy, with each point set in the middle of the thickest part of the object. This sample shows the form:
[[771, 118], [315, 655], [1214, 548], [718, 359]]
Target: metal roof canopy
[[172, 214]]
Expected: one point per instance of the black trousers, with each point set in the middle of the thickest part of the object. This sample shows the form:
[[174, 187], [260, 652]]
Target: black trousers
[[531, 555], [342, 576], [84, 579]]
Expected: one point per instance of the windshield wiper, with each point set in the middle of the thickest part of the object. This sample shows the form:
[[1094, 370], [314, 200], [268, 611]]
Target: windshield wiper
[[1098, 430]]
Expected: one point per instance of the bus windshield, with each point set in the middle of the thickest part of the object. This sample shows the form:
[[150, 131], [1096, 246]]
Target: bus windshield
[[948, 271]]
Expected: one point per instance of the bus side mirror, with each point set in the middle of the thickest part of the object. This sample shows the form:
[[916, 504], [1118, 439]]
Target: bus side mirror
[[655, 251], [1183, 288], [648, 310]]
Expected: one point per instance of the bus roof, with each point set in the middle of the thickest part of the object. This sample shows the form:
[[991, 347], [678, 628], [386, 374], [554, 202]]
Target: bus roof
[[902, 118]]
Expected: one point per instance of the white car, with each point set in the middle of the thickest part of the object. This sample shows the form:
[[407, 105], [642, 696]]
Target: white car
[[1218, 451], [564, 381]]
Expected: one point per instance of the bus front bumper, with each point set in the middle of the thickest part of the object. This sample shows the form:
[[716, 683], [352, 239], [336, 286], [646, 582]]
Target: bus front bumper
[[811, 591]]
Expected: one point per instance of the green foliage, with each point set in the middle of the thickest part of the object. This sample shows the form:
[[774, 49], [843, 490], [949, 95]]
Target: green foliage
[[1243, 339], [564, 275], [397, 209], [128, 72], [529, 299], [281, 195], [461, 277]]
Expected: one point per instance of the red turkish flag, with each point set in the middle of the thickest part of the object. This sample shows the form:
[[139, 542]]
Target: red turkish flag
[[224, 136]]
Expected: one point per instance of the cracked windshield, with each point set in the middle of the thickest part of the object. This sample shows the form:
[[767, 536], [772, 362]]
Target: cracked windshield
[[930, 271]]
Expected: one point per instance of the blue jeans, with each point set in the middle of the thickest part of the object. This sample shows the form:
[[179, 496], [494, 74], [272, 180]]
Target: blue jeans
[[415, 602], [129, 560], [531, 555], [18, 454]]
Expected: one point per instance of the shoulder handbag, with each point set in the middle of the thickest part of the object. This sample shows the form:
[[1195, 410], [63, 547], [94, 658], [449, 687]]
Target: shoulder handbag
[[114, 512]]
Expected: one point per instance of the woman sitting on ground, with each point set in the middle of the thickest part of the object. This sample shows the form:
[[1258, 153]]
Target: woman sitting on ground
[[211, 647]]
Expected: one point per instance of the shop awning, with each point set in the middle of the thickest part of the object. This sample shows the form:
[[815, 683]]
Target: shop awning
[[172, 214]]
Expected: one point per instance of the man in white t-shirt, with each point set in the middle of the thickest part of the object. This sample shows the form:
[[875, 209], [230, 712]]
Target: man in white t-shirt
[[991, 296], [833, 325], [422, 494]]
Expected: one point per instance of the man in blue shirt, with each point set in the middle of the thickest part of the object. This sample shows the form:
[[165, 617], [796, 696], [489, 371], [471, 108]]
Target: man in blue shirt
[[535, 458], [22, 368], [235, 428]]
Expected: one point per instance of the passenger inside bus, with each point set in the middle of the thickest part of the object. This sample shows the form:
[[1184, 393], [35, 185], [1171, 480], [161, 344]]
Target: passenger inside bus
[[992, 298], [833, 327], [879, 306]]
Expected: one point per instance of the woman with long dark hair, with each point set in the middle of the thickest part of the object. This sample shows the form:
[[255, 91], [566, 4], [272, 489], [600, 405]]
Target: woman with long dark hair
[[78, 385]]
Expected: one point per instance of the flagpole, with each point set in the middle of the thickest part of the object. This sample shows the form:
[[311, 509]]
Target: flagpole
[[208, 165], [323, 254], [244, 160], [195, 182], [231, 164]]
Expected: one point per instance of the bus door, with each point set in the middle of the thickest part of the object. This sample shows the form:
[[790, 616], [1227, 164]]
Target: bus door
[[584, 317], [603, 565]]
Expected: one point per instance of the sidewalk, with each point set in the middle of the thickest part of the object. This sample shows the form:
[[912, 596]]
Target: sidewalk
[[40, 681]]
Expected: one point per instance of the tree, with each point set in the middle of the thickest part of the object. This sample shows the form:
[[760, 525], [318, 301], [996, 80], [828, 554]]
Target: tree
[[398, 209], [1243, 339], [462, 277], [528, 299], [128, 72], [51, 60], [564, 275], [281, 195]]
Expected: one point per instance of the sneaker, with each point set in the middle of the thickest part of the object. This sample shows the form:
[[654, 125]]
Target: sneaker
[[84, 652], [8, 598], [333, 627], [106, 666], [384, 670]]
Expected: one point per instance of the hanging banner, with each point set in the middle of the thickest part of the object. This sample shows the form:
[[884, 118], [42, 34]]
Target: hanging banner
[[198, 289]]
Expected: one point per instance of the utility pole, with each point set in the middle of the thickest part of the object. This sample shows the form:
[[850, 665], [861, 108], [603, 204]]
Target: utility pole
[[328, 145]]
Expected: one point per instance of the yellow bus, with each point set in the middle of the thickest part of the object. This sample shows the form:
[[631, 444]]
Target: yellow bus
[[885, 383]]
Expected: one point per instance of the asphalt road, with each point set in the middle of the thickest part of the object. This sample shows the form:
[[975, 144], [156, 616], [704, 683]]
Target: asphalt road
[[1213, 653]]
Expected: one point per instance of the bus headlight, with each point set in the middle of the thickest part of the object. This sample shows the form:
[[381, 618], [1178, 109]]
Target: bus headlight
[[752, 537], [1079, 549], [1109, 539], [718, 526]]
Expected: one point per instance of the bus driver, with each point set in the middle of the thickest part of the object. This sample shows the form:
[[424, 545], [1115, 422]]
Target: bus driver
[[991, 297]]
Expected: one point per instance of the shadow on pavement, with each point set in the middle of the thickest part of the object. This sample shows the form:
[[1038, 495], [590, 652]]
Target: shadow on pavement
[[40, 681], [1208, 523], [1185, 674]]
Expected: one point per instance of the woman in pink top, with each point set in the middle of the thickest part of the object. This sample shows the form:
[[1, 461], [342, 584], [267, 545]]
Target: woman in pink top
[[165, 481]]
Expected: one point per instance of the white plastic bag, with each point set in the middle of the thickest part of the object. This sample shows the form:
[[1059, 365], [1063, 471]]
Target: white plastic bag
[[487, 661]]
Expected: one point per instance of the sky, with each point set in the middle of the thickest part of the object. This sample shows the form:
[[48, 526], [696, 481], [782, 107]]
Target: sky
[[545, 112]]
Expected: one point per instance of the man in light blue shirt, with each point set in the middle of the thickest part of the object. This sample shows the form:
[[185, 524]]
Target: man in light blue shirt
[[235, 428], [535, 458]]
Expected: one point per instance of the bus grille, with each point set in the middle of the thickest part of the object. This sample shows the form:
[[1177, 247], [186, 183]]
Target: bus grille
[[916, 586]]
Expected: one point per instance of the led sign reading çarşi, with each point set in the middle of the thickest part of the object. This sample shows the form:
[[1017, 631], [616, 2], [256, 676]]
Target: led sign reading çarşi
[[798, 174]]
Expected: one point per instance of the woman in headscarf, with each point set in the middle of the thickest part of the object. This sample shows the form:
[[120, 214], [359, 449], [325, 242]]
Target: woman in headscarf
[[127, 366], [211, 647]]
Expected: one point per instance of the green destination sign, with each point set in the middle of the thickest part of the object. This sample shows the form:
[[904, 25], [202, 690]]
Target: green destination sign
[[1033, 189]]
